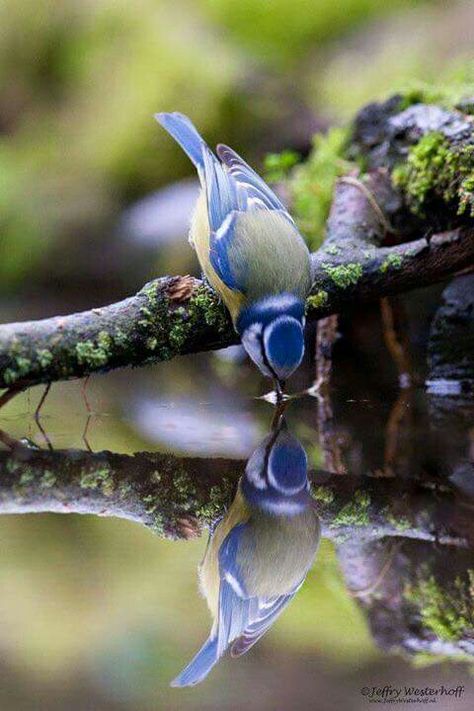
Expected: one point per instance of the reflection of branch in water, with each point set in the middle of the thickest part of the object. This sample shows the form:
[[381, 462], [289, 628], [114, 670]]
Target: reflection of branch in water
[[161, 490], [398, 453], [329, 438], [326, 336], [421, 599], [86, 432], [399, 420], [9, 394], [42, 401], [85, 397], [44, 434], [165, 493], [395, 335], [9, 441], [372, 587], [335, 444], [37, 416]]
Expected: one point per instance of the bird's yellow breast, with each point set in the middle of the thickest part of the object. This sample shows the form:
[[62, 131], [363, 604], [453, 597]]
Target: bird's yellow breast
[[199, 238]]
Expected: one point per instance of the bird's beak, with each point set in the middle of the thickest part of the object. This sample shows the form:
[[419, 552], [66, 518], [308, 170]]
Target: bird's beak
[[279, 389]]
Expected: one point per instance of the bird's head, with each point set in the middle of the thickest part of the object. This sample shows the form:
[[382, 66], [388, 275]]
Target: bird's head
[[272, 332], [276, 475]]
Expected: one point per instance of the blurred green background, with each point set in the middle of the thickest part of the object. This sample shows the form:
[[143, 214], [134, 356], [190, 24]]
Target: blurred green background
[[100, 614]]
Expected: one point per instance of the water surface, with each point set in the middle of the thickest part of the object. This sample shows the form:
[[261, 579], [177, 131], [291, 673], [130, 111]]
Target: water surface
[[102, 610]]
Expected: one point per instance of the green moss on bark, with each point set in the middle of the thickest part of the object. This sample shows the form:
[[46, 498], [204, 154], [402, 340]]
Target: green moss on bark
[[355, 513], [393, 261], [400, 523], [323, 494], [95, 353], [318, 300], [448, 613], [172, 324], [434, 169], [344, 275]]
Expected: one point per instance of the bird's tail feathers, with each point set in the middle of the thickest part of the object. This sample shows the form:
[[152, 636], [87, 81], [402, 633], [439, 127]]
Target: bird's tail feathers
[[199, 667], [185, 133]]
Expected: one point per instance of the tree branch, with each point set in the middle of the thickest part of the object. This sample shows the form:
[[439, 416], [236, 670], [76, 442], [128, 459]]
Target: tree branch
[[176, 496]]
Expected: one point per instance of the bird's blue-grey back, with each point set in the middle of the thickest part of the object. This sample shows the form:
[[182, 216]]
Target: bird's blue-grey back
[[254, 245]]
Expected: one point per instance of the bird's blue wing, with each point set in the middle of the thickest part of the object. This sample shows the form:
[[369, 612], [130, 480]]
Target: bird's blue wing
[[232, 189], [243, 619], [265, 614], [235, 609], [234, 603], [234, 615], [251, 187], [221, 191], [229, 569], [219, 244]]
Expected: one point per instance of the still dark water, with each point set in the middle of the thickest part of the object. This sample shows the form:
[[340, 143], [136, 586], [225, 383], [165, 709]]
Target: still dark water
[[102, 611]]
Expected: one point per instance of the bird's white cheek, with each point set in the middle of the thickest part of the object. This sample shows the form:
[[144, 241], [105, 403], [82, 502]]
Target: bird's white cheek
[[251, 341]]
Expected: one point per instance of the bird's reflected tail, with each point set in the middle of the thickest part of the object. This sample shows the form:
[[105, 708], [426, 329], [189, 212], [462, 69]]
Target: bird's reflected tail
[[199, 667]]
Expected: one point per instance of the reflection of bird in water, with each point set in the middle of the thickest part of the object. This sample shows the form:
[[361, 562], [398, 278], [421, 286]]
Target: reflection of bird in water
[[259, 554], [251, 252]]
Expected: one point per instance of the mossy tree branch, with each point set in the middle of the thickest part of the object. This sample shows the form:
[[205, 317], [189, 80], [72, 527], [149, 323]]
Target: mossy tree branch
[[403, 224], [177, 496]]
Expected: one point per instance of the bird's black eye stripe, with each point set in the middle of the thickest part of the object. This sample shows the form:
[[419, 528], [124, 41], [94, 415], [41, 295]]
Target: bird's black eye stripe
[[264, 356], [268, 450]]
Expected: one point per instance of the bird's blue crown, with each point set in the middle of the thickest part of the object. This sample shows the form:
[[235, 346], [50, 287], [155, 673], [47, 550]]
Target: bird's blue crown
[[266, 310], [276, 479]]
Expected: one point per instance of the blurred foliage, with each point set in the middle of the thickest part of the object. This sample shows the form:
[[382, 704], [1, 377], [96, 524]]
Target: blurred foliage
[[79, 83], [311, 183], [383, 59], [278, 165], [454, 89], [283, 32]]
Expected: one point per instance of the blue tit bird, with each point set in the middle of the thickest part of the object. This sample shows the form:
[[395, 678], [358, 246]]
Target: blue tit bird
[[259, 553], [250, 251]]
